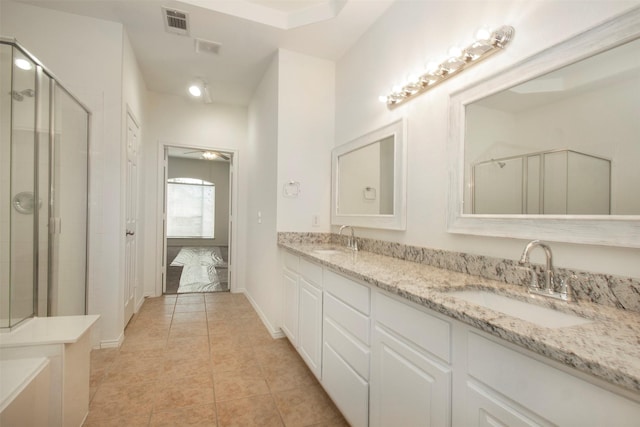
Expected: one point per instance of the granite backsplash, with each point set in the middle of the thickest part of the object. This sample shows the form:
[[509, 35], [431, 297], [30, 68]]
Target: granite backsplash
[[606, 289]]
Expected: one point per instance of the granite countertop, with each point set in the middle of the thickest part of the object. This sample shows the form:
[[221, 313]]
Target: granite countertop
[[607, 348]]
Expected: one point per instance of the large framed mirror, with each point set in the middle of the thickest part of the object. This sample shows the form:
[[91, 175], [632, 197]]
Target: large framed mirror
[[550, 148], [369, 180]]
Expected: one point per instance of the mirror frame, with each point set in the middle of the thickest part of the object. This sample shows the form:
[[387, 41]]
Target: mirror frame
[[395, 221], [609, 230]]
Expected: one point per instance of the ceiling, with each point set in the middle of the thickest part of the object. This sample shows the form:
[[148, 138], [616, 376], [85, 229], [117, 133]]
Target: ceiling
[[249, 31]]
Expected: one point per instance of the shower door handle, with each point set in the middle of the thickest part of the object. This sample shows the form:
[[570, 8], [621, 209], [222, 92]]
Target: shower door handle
[[130, 233]]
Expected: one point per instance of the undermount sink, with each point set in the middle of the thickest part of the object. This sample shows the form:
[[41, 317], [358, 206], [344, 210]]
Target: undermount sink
[[327, 251], [541, 316]]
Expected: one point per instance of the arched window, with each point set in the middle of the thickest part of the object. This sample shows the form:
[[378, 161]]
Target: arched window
[[190, 208]]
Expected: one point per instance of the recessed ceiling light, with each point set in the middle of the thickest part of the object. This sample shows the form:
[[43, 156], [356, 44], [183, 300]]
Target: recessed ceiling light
[[195, 90], [23, 64]]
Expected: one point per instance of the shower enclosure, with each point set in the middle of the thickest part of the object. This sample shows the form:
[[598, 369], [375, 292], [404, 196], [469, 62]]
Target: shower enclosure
[[43, 192]]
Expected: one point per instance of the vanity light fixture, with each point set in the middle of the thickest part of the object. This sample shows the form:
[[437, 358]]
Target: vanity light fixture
[[486, 43]]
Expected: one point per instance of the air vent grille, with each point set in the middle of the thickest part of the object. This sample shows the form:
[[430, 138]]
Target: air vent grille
[[176, 22], [206, 46]]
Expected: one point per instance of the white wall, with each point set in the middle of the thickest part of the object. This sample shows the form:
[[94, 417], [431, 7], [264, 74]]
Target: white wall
[[403, 39], [291, 129], [306, 99], [86, 56], [216, 173], [262, 273], [182, 122]]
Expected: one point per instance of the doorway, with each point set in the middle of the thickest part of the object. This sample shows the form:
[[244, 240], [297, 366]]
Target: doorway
[[197, 220]]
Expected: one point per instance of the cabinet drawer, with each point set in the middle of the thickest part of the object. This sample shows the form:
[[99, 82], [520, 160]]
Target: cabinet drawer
[[349, 319], [354, 294], [310, 271], [551, 393], [354, 353], [348, 391], [424, 330], [290, 261]]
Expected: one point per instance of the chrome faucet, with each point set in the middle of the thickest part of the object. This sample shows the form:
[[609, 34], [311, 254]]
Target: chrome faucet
[[352, 243], [550, 280]]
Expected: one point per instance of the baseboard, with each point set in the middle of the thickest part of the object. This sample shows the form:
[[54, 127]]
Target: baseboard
[[275, 332], [278, 334], [139, 304], [113, 343]]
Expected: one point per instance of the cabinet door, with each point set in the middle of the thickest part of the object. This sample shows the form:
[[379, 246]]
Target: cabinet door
[[407, 387], [310, 326], [485, 408], [543, 392], [347, 389], [290, 312]]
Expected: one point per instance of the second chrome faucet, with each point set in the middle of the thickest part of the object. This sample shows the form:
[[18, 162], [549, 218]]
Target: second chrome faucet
[[551, 284]]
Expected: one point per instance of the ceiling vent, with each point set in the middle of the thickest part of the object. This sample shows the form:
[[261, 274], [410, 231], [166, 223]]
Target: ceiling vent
[[176, 21], [206, 46]]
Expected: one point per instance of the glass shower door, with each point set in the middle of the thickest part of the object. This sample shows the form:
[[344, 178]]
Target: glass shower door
[[68, 221], [19, 204]]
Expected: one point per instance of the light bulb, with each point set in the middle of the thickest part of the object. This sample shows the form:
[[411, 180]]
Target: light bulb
[[431, 67], [483, 34], [383, 99], [195, 91], [23, 64], [413, 78], [454, 52], [396, 89]]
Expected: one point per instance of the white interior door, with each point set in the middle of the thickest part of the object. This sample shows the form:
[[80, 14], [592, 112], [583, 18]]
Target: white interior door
[[232, 215], [131, 283]]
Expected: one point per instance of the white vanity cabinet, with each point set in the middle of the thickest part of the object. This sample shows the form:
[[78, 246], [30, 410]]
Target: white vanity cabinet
[[346, 341], [505, 386], [386, 361], [410, 367], [302, 317]]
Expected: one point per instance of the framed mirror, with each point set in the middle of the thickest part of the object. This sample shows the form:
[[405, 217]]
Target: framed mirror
[[369, 180], [550, 148]]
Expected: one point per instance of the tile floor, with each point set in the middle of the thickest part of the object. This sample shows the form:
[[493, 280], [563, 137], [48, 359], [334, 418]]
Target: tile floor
[[206, 360]]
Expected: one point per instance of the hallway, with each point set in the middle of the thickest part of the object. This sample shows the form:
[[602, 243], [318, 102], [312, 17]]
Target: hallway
[[204, 360]]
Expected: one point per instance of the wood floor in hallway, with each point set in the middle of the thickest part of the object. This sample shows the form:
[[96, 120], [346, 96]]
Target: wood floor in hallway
[[205, 360]]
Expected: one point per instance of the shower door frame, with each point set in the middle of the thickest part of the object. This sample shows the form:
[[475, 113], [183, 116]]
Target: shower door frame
[[54, 83]]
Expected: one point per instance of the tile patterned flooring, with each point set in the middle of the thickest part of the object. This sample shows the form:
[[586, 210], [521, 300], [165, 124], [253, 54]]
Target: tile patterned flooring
[[205, 360]]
